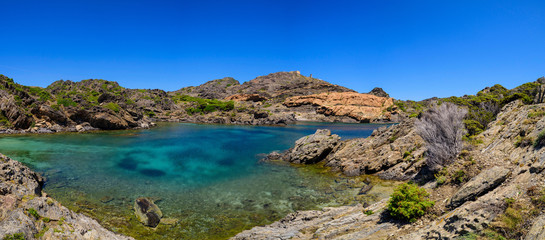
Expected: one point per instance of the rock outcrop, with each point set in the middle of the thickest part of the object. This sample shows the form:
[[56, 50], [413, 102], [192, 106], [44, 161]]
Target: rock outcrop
[[379, 92], [362, 107], [147, 212], [25, 209], [313, 148], [479, 185], [537, 231], [394, 153], [246, 97], [215, 89]]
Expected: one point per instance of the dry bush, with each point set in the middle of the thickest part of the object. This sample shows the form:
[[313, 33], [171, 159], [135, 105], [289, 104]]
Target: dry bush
[[442, 128]]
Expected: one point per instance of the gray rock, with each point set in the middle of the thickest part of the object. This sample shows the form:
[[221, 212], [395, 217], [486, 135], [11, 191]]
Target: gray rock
[[537, 232], [479, 185], [18, 182], [538, 165], [18, 222], [313, 148], [147, 212]]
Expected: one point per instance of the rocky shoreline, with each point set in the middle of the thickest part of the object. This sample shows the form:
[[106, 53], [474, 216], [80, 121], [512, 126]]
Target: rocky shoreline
[[29, 213], [500, 177], [274, 99]]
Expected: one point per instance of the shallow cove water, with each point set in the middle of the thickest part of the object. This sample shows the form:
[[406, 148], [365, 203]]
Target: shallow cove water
[[207, 179]]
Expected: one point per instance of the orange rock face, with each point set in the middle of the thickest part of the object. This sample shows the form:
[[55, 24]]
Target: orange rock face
[[360, 106], [246, 97]]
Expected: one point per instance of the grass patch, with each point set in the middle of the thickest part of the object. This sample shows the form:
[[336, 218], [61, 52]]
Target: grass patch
[[66, 102], [112, 106], [15, 236], [201, 105], [540, 140], [33, 213]]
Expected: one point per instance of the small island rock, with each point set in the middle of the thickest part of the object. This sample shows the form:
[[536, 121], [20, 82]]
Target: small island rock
[[147, 212]]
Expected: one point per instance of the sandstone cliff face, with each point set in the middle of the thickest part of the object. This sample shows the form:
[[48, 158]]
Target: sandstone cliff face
[[25, 209], [362, 107]]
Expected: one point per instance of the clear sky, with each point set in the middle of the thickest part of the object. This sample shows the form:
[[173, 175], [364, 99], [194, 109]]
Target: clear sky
[[412, 49]]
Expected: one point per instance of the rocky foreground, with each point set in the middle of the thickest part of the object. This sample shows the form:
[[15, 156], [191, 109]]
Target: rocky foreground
[[494, 189], [26, 211]]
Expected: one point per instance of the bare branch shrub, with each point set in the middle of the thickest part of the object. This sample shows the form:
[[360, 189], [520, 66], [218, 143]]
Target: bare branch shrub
[[442, 128]]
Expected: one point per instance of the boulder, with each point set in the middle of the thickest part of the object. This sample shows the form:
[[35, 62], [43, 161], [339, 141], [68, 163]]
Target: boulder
[[46, 112], [147, 212], [537, 231], [479, 185], [107, 121], [313, 148]]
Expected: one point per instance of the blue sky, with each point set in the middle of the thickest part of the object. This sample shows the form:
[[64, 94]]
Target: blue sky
[[412, 49]]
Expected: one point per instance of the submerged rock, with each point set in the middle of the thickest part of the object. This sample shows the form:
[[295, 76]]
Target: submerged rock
[[147, 212]]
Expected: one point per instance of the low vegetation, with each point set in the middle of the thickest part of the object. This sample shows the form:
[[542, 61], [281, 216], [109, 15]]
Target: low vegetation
[[112, 106], [201, 105], [15, 236], [409, 202], [540, 140]]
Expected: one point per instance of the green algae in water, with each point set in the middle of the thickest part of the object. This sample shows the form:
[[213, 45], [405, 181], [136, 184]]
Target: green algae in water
[[206, 179]]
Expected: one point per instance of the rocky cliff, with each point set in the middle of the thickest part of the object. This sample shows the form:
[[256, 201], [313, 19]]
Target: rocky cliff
[[26, 212], [361, 107]]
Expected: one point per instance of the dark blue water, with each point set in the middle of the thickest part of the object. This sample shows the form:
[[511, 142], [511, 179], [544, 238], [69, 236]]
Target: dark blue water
[[208, 177]]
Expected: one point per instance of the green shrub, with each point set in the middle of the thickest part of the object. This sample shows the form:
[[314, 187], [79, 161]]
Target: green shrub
[[540, 141], [33, 212], [15, 236], [524, 97], [66, 102], [204, 105], [460, 176], [40, 92], [401, 105], [473, 127], [112, 106], [4, 121], [150, 114], [409, 202]]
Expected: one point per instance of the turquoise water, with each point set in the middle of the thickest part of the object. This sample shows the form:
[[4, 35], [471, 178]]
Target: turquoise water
[[207, 178]]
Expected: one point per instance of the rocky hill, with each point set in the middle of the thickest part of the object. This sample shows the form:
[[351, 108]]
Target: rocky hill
[[494, 189], [100, 104], [275, 86]]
